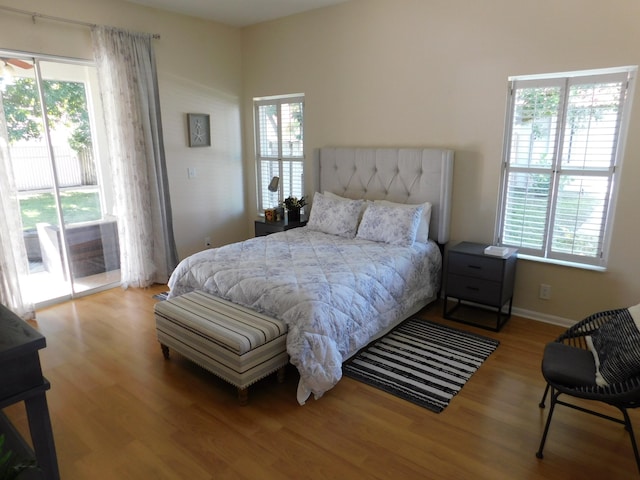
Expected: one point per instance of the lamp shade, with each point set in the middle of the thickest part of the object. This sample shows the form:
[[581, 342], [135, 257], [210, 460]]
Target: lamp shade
[[273, 185]]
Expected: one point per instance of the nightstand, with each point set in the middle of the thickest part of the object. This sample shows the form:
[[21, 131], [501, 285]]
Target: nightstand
[[262, 227], [474, 278]]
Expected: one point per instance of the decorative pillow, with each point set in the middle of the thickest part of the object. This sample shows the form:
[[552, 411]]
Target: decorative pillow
[[422, 235], [616, 348], [337, 217], [335, 196], [394, 225]]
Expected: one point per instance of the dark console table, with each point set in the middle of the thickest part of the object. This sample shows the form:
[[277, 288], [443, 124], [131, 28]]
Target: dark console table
[[21, 380]]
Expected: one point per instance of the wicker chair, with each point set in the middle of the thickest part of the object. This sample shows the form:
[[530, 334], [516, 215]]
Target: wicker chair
[[569, 368]]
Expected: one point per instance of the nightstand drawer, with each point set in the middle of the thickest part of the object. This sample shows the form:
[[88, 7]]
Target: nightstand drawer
[[476, 266], [474, 290], [481, 280]]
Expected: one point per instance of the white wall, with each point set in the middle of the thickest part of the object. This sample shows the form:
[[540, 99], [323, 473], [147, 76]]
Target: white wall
[[199, 71], [375, 72], [434, 73]]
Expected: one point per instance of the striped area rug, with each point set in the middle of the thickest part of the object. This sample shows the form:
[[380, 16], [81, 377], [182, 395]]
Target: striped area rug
[[423, 362]]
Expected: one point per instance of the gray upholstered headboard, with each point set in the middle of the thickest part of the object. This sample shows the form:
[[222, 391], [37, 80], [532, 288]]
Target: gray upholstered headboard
[[403, 175]]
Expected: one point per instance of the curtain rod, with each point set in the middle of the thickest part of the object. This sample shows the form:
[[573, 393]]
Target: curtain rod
[[35, 15]]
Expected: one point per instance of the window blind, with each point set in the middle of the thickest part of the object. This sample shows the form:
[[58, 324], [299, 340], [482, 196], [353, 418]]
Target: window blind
[[562, 147], [279, 148]]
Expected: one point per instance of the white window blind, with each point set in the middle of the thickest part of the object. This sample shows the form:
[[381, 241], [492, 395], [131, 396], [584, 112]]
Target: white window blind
[[563, 149], [279, 148]]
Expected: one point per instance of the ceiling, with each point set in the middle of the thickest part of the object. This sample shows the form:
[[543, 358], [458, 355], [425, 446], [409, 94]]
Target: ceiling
[[238, 13]]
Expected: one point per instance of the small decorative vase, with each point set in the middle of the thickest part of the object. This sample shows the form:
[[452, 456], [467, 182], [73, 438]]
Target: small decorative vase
[[279, 214], [294, 215]]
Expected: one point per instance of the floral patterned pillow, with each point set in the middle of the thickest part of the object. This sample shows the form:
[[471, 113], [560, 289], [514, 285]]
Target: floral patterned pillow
[[337, 217], [394, 225], [422, 235]]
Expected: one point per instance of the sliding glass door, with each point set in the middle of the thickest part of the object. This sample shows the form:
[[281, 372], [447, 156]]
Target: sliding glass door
[[56, 147]]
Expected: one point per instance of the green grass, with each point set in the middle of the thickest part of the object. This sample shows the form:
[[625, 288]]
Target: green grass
[[77, 206]]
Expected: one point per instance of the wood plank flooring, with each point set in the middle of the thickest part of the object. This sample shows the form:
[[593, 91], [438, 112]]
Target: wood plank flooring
[[120, 411]]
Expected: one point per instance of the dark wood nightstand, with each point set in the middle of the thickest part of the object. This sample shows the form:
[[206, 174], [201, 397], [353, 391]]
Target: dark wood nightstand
[[262, 227], [476, 278]]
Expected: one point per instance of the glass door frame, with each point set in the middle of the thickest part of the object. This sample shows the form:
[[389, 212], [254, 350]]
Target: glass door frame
[[92, 97]]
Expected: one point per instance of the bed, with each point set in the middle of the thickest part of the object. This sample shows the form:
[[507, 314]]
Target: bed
[[363, 263]]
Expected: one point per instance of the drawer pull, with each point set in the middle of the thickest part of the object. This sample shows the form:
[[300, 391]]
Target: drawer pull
[[475, 266], [474, 289]]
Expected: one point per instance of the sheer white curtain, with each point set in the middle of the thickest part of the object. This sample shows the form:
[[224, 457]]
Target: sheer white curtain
[[13, 256], [129, 88]]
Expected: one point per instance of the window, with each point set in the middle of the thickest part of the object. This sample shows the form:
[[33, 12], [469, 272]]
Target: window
[[279, 148], [563, 150]]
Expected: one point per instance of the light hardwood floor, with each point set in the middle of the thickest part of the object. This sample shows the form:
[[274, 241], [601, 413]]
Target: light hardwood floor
[[120, 411]]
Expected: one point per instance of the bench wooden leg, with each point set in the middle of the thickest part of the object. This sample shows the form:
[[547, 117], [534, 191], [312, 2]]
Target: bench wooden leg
[[281, 373], [165, 351], [243, 396]]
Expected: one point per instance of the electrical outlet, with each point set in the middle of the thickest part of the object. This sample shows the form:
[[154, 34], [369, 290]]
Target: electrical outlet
[[207, 241], [545, 291]]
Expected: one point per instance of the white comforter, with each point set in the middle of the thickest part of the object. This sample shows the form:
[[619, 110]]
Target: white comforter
[[335, 294]]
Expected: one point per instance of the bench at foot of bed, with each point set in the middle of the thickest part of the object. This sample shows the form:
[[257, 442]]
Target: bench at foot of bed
[[235, 343]]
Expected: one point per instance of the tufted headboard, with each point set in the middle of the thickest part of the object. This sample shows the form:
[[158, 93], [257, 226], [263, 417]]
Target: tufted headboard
[[403, 175]]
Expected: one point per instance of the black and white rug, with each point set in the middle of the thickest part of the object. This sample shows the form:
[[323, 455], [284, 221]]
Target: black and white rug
[[420, 361]]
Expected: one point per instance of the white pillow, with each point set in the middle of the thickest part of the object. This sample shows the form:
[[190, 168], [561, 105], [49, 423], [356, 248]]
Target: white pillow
[[337, 217], [422, 235], [335, 196], [394, 225]]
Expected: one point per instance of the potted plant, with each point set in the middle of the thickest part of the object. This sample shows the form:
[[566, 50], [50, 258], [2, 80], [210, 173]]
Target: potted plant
[[10, 466], [293, 206]]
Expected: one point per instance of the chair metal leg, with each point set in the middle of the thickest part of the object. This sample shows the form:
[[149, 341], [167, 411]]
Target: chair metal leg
[[629, 428], [554, 400], [554, 397], [544, 397]]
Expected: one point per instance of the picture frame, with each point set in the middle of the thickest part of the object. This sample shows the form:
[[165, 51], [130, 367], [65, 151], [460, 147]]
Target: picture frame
[[199, 129]]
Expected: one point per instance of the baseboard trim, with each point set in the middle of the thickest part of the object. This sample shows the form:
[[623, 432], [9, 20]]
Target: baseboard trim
[[543, 317], [533, 315]]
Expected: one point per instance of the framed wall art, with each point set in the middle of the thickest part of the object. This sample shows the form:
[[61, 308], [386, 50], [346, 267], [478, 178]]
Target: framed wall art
[[199, 130]]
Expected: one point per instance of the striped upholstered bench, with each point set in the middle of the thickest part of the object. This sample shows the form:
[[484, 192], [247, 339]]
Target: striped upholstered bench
[[237, 344]]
